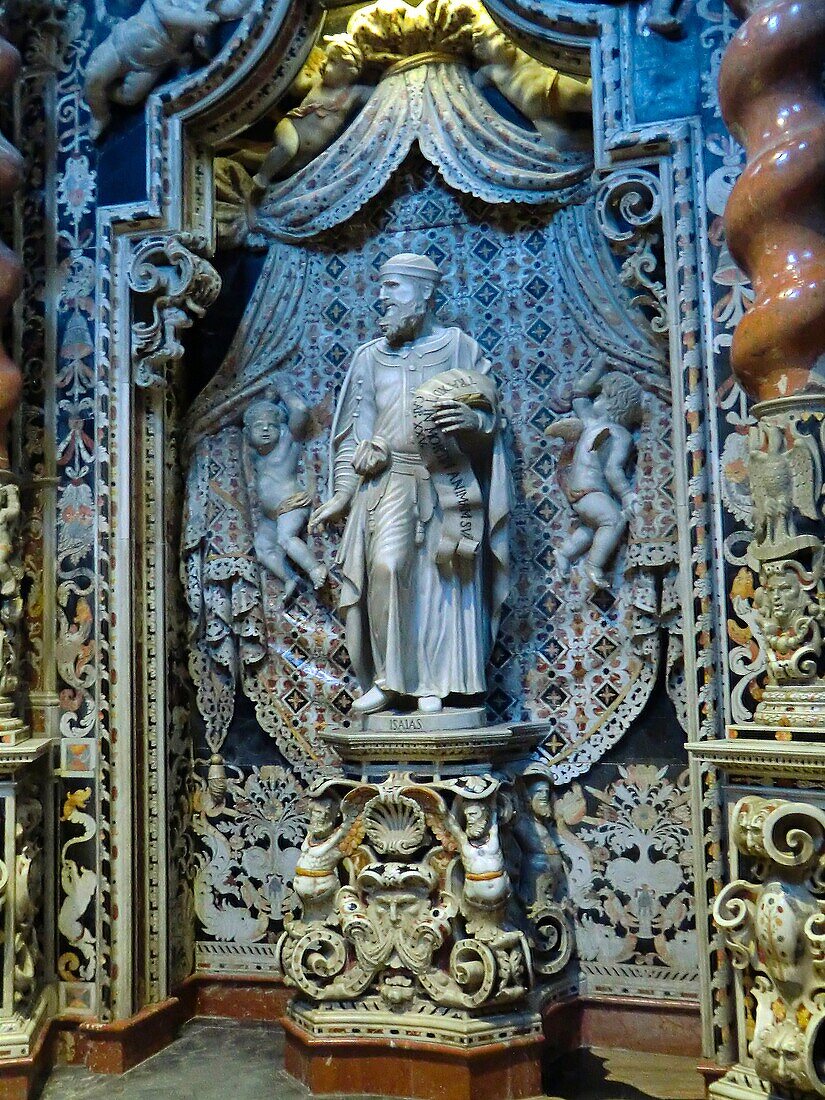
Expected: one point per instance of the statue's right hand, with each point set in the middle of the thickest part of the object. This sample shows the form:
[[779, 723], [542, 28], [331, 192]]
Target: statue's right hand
[[333, 510]]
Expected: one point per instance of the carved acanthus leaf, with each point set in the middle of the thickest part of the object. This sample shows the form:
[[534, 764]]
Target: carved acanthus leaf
[[629, 211]]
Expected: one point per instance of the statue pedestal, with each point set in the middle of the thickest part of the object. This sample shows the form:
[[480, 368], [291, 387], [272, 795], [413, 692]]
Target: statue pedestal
[[412, 959], [509, 1070], [452, 740]]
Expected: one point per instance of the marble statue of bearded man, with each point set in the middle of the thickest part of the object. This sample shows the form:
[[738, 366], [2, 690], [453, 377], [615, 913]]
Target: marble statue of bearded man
[[418, 468]]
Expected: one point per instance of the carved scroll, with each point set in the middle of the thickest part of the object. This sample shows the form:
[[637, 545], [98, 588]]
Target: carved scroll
[[773, 926], [183, 286]]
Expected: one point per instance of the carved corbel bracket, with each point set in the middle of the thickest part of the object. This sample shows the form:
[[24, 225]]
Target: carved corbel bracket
[[629, 212], [773, 927], [405, 907], [182, 285]]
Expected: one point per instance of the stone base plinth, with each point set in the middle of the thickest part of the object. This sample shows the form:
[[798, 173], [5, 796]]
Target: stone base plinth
[[424, 1071]]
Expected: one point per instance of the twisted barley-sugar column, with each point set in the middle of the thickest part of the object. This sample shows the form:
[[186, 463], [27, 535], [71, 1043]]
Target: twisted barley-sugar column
[[770, 88], [11, 269]]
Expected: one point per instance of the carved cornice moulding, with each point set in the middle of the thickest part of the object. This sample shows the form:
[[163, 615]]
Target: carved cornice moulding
[[765, 760]]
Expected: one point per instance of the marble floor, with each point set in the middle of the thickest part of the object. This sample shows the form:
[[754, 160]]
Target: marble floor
[[217, 1059]]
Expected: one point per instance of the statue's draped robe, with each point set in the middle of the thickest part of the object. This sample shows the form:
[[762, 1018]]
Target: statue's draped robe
[[413, 626]]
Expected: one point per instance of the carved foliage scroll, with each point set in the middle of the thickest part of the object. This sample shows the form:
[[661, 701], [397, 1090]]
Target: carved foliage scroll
[[182, 286], [774, 928]]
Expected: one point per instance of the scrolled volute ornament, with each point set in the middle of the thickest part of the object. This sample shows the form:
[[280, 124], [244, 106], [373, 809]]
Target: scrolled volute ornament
[[182, 285], [318, 963], [470, 980], [787, 833], [629, 213], [793, 834], [552, 938], [733, 913], [748, 824], [815, 935], [629, 201]]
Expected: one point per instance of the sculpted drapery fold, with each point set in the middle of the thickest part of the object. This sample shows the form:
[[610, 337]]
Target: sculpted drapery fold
[[476, 150], [442, 639]]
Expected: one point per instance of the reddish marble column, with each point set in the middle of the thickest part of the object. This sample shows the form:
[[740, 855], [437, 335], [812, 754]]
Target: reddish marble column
[[11, 269], [772, 99]]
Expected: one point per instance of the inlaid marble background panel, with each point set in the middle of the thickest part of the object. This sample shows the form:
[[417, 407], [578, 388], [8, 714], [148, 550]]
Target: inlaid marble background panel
[[582, 659], [586, 661]]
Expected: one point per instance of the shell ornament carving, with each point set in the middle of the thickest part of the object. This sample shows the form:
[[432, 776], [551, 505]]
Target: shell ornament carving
[[395, 828]]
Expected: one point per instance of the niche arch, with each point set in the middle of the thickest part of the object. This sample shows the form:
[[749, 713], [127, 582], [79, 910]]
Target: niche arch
[[174, 231]]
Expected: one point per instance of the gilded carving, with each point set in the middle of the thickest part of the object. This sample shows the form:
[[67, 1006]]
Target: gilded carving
[[322, 114], [366, 86]]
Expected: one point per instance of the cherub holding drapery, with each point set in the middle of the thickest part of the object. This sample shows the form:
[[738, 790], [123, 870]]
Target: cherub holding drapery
[[594, 469], [321, 116]]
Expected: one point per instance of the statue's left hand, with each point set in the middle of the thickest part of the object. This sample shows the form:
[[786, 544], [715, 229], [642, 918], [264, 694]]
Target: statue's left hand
[[455, 416], [333, 510]]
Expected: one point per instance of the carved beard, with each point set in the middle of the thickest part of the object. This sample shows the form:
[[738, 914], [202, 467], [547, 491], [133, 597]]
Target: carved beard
[[400, 324]]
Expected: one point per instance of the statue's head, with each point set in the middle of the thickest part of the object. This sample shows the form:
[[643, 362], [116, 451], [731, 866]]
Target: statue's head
[[540, 800], [322, 812], [491, 45], [620, 399], [344, 60], [477, 819], [785, 595], [263, 421], [406, 296]]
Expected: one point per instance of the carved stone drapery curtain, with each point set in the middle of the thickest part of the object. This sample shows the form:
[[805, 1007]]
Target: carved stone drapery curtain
[[476, 150]]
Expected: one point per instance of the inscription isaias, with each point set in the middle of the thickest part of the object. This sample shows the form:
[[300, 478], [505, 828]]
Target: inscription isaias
[[402, 725]]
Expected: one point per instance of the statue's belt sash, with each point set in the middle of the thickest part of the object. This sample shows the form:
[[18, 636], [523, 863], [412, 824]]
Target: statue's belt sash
[[455, 482]]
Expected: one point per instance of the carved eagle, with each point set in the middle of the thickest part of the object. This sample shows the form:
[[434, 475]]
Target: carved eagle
[[784, 480]]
